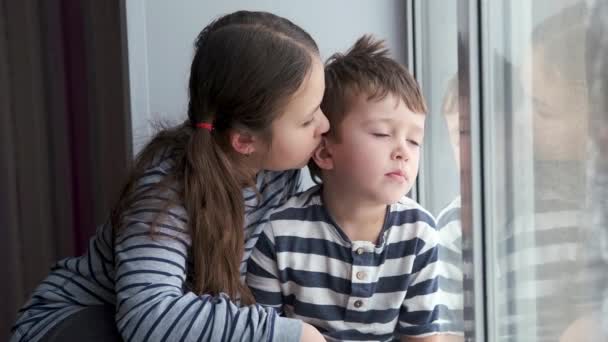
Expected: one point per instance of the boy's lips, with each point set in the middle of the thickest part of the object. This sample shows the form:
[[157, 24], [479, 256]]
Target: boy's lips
[[398, 175]]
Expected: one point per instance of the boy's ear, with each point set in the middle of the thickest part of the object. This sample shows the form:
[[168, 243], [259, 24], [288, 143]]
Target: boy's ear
[[242, 142], [323, 156]]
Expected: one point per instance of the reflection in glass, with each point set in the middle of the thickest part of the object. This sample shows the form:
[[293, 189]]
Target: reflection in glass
[[544, 120], [436, 70], [540, 106]]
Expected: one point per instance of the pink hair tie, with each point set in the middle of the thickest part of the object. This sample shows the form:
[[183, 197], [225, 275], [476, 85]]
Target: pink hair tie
[[205, 125]]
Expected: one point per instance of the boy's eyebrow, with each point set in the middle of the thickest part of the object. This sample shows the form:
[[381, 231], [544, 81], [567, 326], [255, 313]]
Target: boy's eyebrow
[[376, 120], [417, 128]]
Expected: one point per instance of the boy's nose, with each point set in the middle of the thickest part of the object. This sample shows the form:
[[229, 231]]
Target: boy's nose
[[399, 153]]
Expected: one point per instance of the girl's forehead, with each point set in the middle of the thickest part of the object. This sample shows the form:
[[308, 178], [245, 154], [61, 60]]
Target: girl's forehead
[[308, 96]]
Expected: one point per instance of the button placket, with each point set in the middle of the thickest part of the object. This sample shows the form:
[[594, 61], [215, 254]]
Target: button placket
[[359, 276]]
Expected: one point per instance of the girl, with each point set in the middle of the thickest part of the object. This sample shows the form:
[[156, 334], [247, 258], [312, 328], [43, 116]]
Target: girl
[[172, 255]]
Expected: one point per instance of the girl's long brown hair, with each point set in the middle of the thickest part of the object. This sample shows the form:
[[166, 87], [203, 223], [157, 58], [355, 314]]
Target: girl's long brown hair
[[245, 68]]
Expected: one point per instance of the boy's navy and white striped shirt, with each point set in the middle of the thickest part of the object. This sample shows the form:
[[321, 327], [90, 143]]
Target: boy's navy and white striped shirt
[[147, 277], [305, 266]]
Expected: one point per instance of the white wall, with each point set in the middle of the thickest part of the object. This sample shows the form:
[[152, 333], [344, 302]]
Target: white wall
[[161, 35]]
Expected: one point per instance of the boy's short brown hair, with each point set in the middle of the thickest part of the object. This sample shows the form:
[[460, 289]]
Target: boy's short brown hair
[[366, 68]]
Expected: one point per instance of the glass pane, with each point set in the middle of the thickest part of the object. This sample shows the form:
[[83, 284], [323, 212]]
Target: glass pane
[[436, 70], [542, 267], [436, 47]]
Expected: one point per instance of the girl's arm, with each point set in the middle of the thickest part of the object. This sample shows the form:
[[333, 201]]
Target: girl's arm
[[153, 303], [263, 272]]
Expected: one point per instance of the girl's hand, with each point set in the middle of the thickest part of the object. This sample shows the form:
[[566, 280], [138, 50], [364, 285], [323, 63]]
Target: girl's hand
[[310, 334]]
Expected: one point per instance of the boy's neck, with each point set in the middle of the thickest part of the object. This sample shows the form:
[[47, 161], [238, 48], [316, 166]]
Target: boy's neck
[[360, 220]]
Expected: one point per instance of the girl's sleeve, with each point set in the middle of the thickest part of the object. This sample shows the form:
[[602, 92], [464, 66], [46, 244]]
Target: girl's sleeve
[[154, 305], [263, 272]]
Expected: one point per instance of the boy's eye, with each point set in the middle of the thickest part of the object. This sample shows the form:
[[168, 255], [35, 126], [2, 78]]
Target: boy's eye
[[413, 142], [381, 135]]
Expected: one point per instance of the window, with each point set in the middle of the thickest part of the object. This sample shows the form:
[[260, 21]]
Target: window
[[525, 83]]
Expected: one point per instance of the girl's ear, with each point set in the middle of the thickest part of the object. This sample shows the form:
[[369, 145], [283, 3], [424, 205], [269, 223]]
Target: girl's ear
[[242, 142], [323, 156]]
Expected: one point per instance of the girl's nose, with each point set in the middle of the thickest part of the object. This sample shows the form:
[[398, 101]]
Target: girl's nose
[[323, 125]]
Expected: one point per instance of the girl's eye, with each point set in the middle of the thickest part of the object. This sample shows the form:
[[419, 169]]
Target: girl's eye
[[307, 123], [413, 142]]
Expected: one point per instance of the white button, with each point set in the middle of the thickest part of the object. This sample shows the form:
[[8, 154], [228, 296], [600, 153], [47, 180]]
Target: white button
[[358, 303], [361, 275], [360, 251]]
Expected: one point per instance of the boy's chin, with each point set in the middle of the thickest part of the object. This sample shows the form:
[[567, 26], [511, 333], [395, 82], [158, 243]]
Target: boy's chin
[[392, 198], [396, 194]]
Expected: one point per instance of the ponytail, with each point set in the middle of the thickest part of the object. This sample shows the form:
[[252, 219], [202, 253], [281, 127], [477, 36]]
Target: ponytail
[[213, 186]]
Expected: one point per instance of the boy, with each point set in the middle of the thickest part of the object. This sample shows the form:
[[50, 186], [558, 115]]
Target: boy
[[355, 257]]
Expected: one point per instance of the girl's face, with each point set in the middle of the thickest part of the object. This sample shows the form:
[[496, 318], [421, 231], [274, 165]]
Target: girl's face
[[297, 132]]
